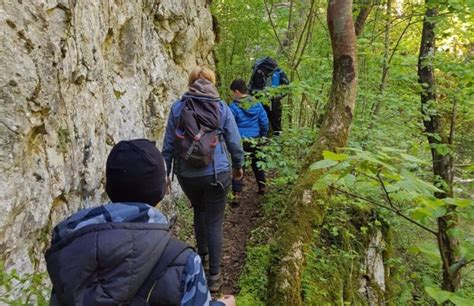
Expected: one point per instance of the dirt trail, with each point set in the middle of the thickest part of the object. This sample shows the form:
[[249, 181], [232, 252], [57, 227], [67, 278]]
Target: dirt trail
[[238, 224]]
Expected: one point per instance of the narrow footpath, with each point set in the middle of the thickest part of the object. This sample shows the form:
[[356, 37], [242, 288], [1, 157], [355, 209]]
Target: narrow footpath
[[238, 224]]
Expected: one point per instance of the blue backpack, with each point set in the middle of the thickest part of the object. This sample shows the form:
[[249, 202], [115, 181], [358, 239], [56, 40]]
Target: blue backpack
[[275, 80]]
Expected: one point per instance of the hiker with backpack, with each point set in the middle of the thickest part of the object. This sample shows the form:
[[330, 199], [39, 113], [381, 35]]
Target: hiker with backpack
[[252, 122], [266, 74], [200, 133], [122, 253]]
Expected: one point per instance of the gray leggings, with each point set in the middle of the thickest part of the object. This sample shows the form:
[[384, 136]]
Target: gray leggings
[[208, 201]]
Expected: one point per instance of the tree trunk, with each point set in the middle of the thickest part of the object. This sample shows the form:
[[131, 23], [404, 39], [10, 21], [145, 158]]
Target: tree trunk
[[306, 207], [442, 164]]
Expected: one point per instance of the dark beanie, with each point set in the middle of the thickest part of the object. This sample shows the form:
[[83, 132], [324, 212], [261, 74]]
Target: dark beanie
[[135, 172]]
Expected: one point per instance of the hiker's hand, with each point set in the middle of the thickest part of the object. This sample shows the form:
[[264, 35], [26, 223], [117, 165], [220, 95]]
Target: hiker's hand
[[238, 174], [228, 300], [168, 185]]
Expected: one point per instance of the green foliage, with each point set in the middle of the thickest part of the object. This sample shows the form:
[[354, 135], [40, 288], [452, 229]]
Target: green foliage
[[26, 289], [284, 155], [254, 278], [441, 296], [334, 260], [391, 181], [403, 165], [184, 223], [392, 177], [253, 282]]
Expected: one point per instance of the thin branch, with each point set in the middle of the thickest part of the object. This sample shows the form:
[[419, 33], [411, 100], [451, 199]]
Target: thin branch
[[460, 264], [452, 123], [396, 211], [270, 19], [385, 192], [308, 34], [290, 15], [300, 38], [322, 23], [396, 24], [399, 40]]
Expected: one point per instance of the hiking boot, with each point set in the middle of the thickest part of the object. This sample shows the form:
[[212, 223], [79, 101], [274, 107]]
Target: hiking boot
[[236, 200], [214, 282]]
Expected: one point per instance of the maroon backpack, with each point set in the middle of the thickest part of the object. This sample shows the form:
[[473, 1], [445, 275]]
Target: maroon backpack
[[197, 133]]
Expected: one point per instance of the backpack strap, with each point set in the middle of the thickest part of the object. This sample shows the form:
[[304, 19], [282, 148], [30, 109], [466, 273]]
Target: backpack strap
[[172, 251], [220, 135], [194, 143]]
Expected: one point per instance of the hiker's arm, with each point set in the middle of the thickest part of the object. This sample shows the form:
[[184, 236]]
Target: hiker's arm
[[263, 121], [168, 143], [232, 138], [195, 294]]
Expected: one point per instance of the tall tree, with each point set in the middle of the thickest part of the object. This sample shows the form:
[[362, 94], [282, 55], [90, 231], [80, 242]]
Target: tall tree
[[306, 206], [442, 163]]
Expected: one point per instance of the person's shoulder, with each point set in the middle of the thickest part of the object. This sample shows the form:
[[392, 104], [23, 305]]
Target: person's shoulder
[[177, 106], [233, 105], [177, 103], [258, 104], [224, 107]]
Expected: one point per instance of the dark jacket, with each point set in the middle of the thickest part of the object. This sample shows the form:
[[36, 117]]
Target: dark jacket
[[113, 254]]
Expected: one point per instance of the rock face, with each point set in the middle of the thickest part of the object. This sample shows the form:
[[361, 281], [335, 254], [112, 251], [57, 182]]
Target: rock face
[[76, 77]]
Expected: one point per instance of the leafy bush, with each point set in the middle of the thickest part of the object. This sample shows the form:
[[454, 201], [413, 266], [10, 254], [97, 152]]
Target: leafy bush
[[26, 289]]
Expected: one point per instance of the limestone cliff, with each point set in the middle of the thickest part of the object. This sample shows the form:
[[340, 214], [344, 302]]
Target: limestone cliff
[[76, 77]]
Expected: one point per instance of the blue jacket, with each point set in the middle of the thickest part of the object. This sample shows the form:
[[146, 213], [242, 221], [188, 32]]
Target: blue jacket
[[105, 255], [251, 118], [231, 142]]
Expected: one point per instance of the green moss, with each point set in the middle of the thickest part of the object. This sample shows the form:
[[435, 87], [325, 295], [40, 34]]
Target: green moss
[[64, 139], [118, 94], [248, 300], [253, 282], [334, 263]]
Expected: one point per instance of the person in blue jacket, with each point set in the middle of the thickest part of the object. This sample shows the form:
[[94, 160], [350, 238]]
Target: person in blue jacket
[[206, 187], [122, 253], [252, 121]]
